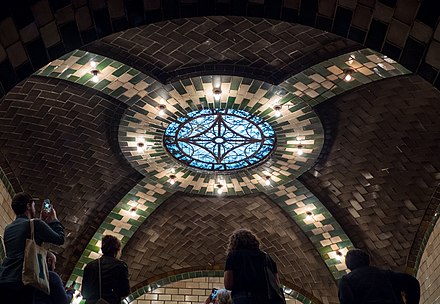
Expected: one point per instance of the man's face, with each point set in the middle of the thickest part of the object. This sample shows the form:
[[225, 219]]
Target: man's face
[[51, 261]]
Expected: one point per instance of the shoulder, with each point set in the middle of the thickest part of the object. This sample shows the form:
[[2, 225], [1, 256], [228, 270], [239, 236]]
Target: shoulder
[[54, 277], [91, 264]]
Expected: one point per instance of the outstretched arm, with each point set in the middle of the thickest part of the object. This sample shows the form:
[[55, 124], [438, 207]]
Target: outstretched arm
[[57, 292]]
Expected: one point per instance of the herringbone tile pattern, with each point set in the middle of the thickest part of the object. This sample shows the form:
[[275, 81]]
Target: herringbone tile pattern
[[56, 137], [380, 165], [192, 231], [256, 48]]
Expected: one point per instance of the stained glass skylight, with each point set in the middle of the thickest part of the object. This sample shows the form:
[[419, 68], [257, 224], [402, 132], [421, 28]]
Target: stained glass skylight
[[220, 139]]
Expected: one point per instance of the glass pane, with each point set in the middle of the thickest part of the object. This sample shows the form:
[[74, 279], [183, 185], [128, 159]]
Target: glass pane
[[220, 139]]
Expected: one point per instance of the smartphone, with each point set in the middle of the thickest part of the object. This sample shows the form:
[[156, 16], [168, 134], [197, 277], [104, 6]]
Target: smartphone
[[213, 293], [47, 206]]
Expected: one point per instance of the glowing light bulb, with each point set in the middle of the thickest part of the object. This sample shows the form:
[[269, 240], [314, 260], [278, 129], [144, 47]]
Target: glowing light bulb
[[219, 189], [348, 75], [267, 180], [93, 63], [277, 110], [309, 216], [172, 179], [95, 77], [162, 110], [133, 210], [300, 150], [140, 147], [351, 59], [339, 256], [217, 94]]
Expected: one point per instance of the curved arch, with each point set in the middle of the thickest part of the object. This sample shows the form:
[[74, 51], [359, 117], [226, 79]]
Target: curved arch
[[265, 49], [302, 91], [423, 233], [212, 271]]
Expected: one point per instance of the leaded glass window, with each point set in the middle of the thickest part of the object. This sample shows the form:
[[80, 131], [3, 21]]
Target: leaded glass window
[[220, 139]]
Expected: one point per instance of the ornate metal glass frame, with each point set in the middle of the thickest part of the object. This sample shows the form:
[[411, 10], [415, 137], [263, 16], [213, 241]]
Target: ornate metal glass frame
[[220, 139]]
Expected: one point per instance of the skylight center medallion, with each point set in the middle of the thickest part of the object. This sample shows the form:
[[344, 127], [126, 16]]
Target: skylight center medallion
[[220, 139]]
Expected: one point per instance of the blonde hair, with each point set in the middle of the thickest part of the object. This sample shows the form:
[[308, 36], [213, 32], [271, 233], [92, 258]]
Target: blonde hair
[[223, 296]]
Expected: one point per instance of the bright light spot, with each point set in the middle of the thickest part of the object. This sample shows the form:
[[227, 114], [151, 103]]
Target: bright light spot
[[220, 190], [93, 64], [300, 151], [95, 78], [267, 181], [348, 77]]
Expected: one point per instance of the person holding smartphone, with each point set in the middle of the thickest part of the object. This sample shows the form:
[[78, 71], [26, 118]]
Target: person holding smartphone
[[219, 296], [47, 229]]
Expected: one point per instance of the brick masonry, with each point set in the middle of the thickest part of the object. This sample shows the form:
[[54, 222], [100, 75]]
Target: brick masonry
[[34, 33], [379, 167], [179, 237], [57, 138], [188, 291], [430, 268]]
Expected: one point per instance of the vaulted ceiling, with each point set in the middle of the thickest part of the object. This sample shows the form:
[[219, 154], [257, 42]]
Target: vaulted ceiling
[[370, 165]]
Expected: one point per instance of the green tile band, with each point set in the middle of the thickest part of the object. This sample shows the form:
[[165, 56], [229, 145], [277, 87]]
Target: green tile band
[[297, 95]]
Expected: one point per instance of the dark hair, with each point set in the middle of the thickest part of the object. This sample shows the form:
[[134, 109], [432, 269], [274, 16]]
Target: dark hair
[[110, 245], [243, 239], [20, 201], [357, 258]]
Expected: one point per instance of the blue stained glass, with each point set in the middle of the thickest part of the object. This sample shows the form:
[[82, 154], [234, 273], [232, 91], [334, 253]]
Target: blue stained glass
[[220, 139]]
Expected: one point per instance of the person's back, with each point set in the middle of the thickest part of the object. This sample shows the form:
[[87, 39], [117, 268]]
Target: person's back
[[245, 272], [248, 267], [114, 275], [369, 285], [113, 285]]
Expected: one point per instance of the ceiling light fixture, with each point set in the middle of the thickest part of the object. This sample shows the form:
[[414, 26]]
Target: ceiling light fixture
[[339, 255], [219, 189], [140, 147], [309, 215], [95, 77], [162, 109], [93, 63], [351, 59], [348, 75], [133, 210], [277, 109], [268, 180], [172, 179], [300, 150], [217, 94]]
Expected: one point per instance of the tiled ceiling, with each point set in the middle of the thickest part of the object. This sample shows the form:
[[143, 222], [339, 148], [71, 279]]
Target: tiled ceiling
[[205, 228], [34, 32], [371, 184]]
